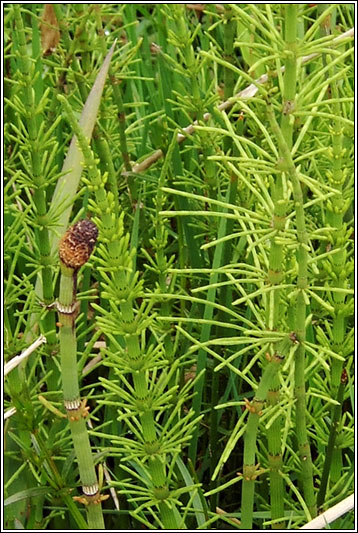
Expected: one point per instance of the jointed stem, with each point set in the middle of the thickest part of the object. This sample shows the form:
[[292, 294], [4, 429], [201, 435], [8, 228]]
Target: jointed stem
[[339, 274], [76, 410], [300, 318], [337, 410], [251, 470], [32, 118], [120, 261], [276, 273]]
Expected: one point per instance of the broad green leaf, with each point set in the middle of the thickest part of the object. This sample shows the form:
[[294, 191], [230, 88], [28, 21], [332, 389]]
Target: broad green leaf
[[28, 493], [67, 185]]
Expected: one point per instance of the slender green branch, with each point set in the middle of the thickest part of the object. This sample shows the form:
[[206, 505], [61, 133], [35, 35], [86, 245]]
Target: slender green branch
[[249, 92], [118, 99]]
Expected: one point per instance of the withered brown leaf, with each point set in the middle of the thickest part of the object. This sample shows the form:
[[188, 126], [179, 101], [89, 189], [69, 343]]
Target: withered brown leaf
[[50, 33]]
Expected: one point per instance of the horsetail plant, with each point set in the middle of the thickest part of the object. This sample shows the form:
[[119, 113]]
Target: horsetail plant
[[302, 299], [38, 143], [220, 164], [147, 397], [225, 294], [32, 146], [67, 184], [276, 272], [251, 470], [75, 248], [338, 267]]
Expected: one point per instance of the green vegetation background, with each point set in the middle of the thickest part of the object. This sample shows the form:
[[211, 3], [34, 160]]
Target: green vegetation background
[[214, 335]]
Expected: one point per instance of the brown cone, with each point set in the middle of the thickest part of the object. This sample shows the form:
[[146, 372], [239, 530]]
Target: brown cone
[[77, 243]]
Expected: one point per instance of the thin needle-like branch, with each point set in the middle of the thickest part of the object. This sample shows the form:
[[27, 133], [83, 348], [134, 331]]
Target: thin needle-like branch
[[248, 92]]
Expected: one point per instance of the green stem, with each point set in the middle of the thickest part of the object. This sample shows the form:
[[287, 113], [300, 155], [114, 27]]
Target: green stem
[[32, 119], [71, 395], [225, 299], [119, 264], [275, 458], [276, 274], [230, 26], [159, 244], [251, 470], [338, 264], [331, 441], [205, 332], [184, 41], [105, 156], [71, 45], [275, 277], [289, 89], [300, 317], [117, 95]]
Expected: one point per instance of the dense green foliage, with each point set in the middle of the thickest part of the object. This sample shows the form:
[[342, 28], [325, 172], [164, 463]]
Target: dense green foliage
[[214, 322]]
